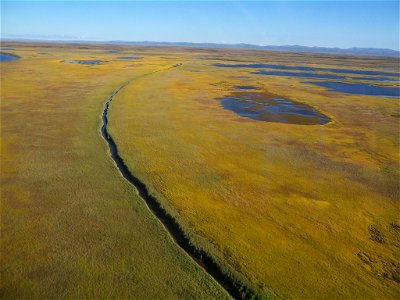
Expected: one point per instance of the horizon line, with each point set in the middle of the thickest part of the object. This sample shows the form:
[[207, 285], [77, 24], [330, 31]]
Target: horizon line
[[79, 40]]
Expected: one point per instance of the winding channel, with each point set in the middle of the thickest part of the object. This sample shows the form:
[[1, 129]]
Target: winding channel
[[203, 259]]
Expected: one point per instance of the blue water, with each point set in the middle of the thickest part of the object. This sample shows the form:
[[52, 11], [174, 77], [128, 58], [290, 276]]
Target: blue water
[[261, 66], [299, 74], [384, 79], [85, 62], [303, 68], [7, 57], [259, 106], [359, 88], [129, 57], [245, 87]]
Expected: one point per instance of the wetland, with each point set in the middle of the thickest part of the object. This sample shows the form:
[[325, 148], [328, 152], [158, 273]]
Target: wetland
[[358, 88], [252, 175], [7, 56], [266, 107]]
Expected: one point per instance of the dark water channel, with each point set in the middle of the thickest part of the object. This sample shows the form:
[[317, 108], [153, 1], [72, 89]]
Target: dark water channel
[[202, 258]]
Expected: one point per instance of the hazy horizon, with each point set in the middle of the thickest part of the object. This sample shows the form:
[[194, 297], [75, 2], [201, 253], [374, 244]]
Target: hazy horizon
[[362, 24]]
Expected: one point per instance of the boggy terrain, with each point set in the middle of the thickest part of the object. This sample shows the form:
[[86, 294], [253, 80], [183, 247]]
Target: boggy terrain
[[71, 226], [287, 207]]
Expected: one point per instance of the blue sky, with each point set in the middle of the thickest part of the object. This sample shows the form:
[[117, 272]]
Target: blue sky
[[316, 23]]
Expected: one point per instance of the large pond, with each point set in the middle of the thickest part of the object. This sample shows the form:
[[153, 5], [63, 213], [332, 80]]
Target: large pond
[[320, 76], [299, 74], [359, 88], [7, 57], [268, 107]]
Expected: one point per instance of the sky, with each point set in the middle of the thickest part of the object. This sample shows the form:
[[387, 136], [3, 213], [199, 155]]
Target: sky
[[316, 23]]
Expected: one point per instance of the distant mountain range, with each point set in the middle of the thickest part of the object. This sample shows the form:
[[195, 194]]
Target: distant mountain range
[[290, 48]]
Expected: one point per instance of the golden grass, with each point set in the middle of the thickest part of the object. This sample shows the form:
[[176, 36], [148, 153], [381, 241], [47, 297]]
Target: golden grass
[[71, 226], [301, 211]]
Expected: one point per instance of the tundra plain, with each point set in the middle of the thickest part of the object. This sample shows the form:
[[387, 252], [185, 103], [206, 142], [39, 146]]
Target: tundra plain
[[288, 208]]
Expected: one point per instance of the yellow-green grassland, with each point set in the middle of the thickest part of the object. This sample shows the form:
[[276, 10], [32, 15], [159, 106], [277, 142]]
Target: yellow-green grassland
[[71, 226], [290, 210]]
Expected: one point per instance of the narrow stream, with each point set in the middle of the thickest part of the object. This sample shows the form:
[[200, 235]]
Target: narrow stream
[[235, 289]]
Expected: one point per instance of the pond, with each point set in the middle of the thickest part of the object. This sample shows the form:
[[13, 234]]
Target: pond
[[383, 79], [358, 88], [129, 57], [245, 87], [84, 61], [320, 75], [299, 74], [304, 68], [263, 106], [8, 57]]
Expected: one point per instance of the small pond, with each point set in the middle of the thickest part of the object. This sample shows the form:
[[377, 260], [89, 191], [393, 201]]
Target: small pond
[[268, 107], [359, 88], [8, 57], [129, 57], [84, 61], [245, 87]]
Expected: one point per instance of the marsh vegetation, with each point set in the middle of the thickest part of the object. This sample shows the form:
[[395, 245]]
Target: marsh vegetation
[[281, 209], [71, 226]]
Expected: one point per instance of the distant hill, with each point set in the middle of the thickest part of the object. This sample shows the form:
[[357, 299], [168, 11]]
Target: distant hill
[[291, 48]]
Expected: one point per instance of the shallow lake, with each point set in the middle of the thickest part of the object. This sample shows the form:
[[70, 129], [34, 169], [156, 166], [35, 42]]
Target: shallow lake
[[359, 88], [319, 75], [299, 74], [383, 79], [7, 57], [268, 107], [304, 68]]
